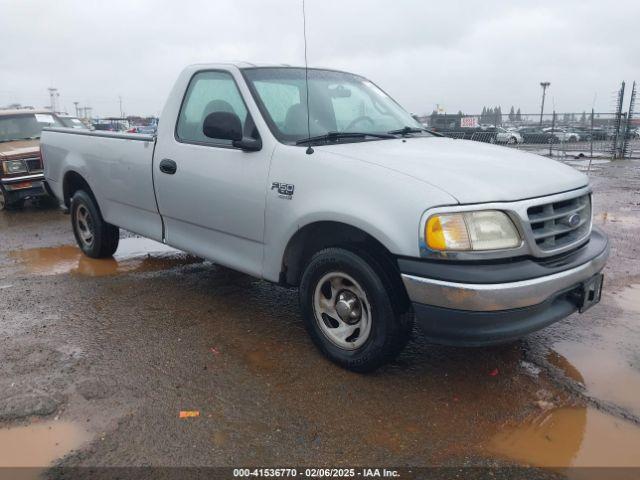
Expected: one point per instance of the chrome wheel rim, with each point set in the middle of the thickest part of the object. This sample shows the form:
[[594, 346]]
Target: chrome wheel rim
[[84, 225], [342, 310]]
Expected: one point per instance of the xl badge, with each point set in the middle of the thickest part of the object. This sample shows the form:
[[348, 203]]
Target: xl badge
[[285, 190]]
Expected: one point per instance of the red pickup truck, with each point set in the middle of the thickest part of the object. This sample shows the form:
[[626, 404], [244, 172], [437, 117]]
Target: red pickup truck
[[21, 167]]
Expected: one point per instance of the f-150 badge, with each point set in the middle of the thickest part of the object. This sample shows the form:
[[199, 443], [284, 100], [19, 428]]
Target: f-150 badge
[[285, 190]]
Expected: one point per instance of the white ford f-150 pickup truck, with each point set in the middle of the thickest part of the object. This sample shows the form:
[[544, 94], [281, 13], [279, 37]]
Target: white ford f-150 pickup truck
[[318, 179]]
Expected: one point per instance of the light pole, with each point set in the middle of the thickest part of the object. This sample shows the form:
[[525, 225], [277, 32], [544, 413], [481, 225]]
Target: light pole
[[53, 93], [544, 86]]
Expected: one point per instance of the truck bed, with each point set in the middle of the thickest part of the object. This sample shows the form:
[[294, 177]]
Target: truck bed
[[118, 168]]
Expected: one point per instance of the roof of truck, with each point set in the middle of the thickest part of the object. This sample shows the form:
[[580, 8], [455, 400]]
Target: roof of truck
[[242, 65], [247, 65]]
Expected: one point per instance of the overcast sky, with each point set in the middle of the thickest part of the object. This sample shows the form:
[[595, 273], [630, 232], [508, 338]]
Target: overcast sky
[[461, 55]]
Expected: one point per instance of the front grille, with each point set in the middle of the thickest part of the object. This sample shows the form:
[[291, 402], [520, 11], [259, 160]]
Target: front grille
[[34, 165], [558, 224]]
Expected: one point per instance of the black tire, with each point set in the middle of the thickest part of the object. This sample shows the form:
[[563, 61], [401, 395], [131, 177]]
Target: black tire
[[104, 237], [390, 319], [7, 204]]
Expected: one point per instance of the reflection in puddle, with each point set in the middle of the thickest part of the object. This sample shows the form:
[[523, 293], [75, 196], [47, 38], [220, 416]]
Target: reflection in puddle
[[605, 373], [561, 362], [570, 437], [133, 255], [39, 444]]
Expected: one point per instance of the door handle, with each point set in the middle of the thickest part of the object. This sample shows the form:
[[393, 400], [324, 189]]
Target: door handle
[[168, 166]]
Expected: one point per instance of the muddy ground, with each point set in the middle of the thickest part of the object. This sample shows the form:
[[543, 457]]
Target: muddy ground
[[98, 359]]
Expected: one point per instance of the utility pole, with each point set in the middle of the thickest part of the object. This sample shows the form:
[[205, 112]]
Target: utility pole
[[544, 86], [121, 112], [75, 104]]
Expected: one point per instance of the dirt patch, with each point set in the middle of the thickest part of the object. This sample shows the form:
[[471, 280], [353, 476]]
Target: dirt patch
[[629, 299]]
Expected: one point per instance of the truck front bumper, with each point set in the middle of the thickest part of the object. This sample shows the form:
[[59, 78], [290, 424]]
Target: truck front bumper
[[486, 303]]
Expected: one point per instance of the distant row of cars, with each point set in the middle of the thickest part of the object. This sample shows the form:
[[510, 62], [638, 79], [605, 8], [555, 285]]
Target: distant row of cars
[[21, 167], [531, 134]]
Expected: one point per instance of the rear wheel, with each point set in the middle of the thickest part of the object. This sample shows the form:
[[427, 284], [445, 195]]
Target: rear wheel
[[3, 200], [95, 237], [351, 310]]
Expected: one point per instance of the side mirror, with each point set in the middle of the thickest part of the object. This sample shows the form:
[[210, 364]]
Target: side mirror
[[223, 126], [227, 126]]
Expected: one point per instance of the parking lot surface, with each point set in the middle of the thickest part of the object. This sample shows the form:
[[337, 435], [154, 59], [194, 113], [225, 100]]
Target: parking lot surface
[[98, 358]]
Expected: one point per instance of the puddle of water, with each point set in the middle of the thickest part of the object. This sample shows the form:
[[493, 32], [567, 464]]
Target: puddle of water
[[605, 373], [570, 437], [584, 162], [133, 255], [39, 444], [561, 362], [629, 298]]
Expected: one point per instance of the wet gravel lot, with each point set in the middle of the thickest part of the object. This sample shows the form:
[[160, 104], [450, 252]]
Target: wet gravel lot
[[99, 357]]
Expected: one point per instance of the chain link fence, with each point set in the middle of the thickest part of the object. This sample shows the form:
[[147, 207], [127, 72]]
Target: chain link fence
[[572, 135]]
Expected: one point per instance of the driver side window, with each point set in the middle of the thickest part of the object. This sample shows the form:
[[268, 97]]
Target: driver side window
[[210, 92]]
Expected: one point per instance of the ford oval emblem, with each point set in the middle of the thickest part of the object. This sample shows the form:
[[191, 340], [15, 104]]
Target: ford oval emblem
[[573, 220]]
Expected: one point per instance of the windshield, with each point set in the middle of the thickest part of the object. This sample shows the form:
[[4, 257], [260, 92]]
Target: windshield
[[24, 127], [339, 102]]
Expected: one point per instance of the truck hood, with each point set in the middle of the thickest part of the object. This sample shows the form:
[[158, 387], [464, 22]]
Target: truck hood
[[18, 148], [472, 172]]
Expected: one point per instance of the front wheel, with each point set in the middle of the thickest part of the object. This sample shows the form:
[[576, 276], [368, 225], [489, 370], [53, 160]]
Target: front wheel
[[6, 203], [95, 237], [352, 311]]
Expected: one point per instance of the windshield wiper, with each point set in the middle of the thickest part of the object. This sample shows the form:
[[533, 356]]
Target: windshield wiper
[[335, 136], [407, 130]]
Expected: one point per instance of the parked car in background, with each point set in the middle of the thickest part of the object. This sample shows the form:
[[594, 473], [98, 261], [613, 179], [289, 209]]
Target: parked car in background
[[21, 168], [510, 137], [378, 222], [600, 133], [144, 129], [111, 125], [563, 134], [72, 122], [486, 134], [535, 135], [584, 133]]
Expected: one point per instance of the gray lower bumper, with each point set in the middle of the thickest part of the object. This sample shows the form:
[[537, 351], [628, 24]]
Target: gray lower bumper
[[482, 297]]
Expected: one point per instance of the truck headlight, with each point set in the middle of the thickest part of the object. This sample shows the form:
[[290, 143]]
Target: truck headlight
[[481, 230], [14, 166]]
